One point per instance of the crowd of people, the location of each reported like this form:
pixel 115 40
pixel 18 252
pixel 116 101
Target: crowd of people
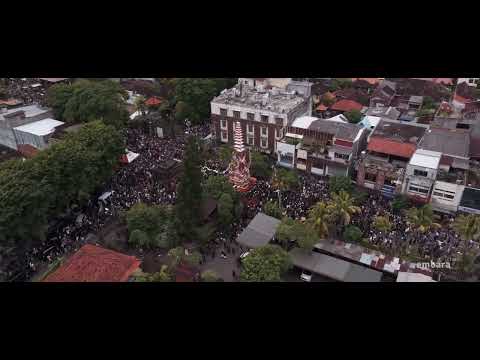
pixel 28 90
pixel 136 182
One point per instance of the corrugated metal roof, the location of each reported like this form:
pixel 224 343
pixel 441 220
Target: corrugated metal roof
pixel 259 232
pixel 41 127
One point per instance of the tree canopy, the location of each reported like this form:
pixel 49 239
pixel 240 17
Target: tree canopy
pixel 259 166
pixel 271 208
pixel 285 179
pixel 340 183
pixel 86 101
pixel 34 190
pixel 189 192
pixel 422 219
pixel 266 263
pixel 353 116
pixel 352 233
pixel 146 224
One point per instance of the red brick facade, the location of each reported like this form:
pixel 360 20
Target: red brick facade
pixel 216 125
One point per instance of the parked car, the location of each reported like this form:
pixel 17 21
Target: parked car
pixel 306 276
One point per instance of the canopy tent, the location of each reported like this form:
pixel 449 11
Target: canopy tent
pixel 129 157
pixel 259 232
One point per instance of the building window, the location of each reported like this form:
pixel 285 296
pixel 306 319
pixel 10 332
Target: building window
pixel 417 172
pixel 418 190
pixel 224 124
pixel 264 118
pixel 250 128
pixel 246 82
pixel 342 156
pixel 236 114
pixel 251 116
pixel 370 177
pixel 279 121
pixel 263 143
pixel 224 136
pixel 223 112
pixel 264 131
pixel 250 140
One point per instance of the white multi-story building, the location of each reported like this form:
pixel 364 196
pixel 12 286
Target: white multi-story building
pixel 469 81
pixel 263 113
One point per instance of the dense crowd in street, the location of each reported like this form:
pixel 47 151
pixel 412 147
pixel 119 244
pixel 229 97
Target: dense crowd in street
pixel 135 182
pixel 28 90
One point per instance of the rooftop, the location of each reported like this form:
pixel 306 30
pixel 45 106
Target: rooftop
pixel 259 232
pixel 95 264
pixel 401 132
pixel 391 147
pixel 387 112
pixel 41 127
pixel 276 100
pixel 30 111
pixel 346 105
pixel 333 268
pixel 425 158
pixel 416 99
pixel 454 142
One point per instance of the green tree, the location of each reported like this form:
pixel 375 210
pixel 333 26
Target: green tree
pixel 34 190
pixel 225 210
pixel 352 234
pixel 360 197
pixel 422 219
pixel 140 104
pixel 189 192
pixel 152 220
pixel 400 202
pixel 225 154
pixel 382 224
pixel 164 275
pixel 217 185
pixel 180 255
pixel 285 231
pixel 353 116
pixel 139 238
pixel 428 103
pixel 327 100
pixel 271 208
pixel 342 207
pixel 86 101
pixel 468 227
pixel 285 179
pixel 340 183
pixel 259 166
pixel 205 233
pixel 320 217
pixel 266 263
pixel 209 276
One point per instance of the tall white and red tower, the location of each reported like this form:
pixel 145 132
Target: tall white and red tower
pixel 239 168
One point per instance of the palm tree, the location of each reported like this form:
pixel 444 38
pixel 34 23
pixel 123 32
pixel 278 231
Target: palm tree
pixel 468 227
pixel 319 217
pixel 382 223
pixel 422 219
pixel 342 207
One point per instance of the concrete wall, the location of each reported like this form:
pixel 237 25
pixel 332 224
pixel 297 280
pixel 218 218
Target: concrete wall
pixel 443 187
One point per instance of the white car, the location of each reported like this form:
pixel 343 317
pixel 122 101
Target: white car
pixel 306 276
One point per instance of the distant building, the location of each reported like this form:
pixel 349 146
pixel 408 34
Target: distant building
pixel 383 94
pixel 263 113
pixel 95 264
pixel 390 147
pixel 13 118
pixel 321 146
pixel 469 81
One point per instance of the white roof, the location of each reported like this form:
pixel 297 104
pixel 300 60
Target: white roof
pixel 131 156
pixel 41 127
pixel 338 118
pixel 413 277
pixel 304 122
pixel 30 111
pixel 370 121
pixel 35 85
pixel 134 115
pixel 426 158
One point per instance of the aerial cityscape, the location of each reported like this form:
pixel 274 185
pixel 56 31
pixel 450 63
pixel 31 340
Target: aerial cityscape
pixel 239 180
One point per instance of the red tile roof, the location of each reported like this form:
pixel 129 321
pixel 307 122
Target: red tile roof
pixel 391 147
pixel 460 99
pixel 372 81
pixel 153 101
pixel 95 264
pixel 346 105
pixel 27 150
